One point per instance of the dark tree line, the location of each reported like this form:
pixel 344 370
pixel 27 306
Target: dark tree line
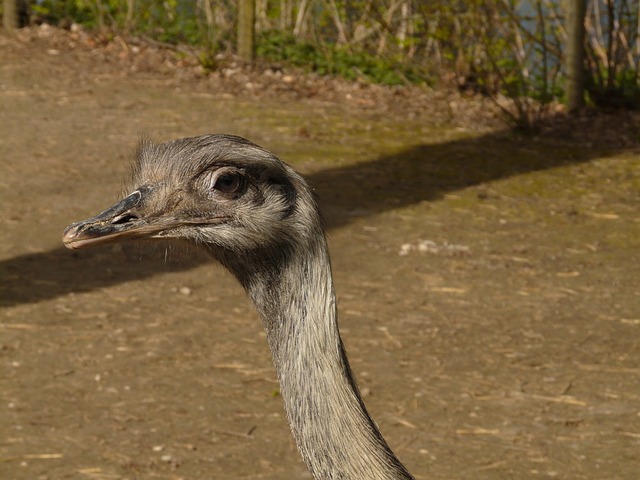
pixel 532 51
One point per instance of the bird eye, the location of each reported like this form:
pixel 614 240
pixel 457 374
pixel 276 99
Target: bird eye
pixel 228 183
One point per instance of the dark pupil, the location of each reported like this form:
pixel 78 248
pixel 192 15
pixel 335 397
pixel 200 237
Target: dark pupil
pixel 227 183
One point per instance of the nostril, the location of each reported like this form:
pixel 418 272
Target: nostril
pixel 124 218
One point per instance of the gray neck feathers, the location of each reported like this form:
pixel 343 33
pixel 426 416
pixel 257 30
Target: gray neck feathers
pixel 330 424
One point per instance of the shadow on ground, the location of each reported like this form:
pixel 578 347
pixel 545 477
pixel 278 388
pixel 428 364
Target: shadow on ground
pixel 421 173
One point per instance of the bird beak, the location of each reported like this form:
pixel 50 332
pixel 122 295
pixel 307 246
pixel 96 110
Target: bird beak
pixel 115 223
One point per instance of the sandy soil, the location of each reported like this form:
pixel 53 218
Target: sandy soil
pixel 487 283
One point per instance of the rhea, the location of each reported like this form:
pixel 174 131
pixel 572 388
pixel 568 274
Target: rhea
pixel 259 218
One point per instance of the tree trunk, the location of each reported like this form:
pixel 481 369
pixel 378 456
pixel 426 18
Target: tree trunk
pixel 10 18
pixel 575 13
pixel 246 28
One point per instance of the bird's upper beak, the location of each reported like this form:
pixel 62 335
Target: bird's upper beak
pixel 115 223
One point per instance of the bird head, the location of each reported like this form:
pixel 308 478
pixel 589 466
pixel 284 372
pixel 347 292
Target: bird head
pixel 219 190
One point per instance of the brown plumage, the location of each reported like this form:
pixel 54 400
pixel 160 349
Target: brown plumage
pixel 257 216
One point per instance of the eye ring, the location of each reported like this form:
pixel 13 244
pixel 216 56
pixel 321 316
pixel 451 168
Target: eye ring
pixel 228 183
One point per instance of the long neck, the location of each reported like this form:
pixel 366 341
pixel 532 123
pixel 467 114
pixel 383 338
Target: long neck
pixel 330 424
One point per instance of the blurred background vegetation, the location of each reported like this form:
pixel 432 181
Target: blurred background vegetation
pixel 514 49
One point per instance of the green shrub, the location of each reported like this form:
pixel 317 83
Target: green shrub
pixel 338 60
pixel 59 11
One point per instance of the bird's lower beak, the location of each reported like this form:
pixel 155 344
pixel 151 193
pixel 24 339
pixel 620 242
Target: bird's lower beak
pixel 114 223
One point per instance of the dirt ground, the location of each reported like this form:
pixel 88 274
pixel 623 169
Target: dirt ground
pixel 487 283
